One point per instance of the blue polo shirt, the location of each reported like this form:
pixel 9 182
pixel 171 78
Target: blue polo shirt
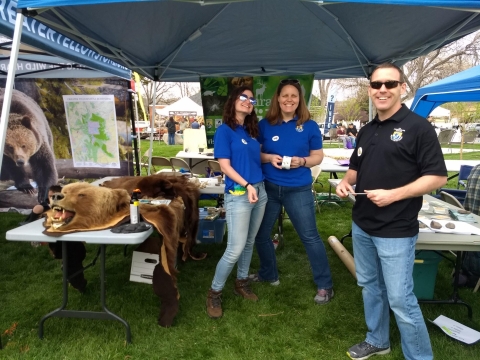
pixel 243 152
pixel 287 139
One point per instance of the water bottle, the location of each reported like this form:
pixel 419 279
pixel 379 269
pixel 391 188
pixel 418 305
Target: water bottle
pixel 275 241
pixel 134 211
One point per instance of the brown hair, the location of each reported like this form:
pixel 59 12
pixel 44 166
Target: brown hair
pixel 274 113
pixel 229 118
pixel 388 65
pixel 55 188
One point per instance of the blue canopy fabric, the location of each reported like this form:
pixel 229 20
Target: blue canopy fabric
pixel 42 37
pixel 183 40
pixel 461 87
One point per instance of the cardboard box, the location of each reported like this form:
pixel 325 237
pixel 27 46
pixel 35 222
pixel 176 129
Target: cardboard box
pixel 425 274
pixel 142 267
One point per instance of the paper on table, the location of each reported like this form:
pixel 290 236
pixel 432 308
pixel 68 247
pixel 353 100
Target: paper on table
pixel 460 227
pixel 456 330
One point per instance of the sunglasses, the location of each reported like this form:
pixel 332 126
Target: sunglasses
pixel 244 97
pixel 390 84
pixel 289 81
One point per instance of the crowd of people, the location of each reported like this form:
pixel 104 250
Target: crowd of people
pixel 267 167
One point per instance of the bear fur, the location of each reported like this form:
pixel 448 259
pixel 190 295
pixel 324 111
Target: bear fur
pixel 28 141
pixel 168 187
pixel 82 206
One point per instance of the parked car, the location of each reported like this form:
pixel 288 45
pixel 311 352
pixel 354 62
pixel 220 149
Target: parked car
pixel 474 126
pixel 326 136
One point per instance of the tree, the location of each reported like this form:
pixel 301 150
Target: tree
pixel 350 109
pixel 440 63
pixel 323 87
pixel 162 91
pixel 187 89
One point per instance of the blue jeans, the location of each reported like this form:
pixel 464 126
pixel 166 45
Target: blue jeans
pixel 299 205
pixel 171 139
pixel 384 268
pixel 243 221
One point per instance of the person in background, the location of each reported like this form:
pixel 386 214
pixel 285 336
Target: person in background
pixel 342 134
pixel 171 129
pixel 39 209
pixel 202 125
pixel 352 134
pixel 397 160
pixel 195 124
pixel 238 153
pixel 291 144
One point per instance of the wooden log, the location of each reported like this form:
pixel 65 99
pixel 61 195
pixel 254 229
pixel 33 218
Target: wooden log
pixel 17 199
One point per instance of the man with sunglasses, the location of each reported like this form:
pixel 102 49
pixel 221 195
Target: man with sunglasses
pixel 397 159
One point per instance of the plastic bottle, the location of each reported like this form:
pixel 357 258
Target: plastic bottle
pixel 134 211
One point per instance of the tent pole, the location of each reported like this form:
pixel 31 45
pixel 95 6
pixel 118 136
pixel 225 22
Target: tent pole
pixel 7 98
pixel 152 123
pixel 134 131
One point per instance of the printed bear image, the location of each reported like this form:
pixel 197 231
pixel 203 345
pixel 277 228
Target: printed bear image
pixel 28 149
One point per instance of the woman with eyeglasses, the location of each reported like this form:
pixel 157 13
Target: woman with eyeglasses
pixel 238 153
pixel 291 145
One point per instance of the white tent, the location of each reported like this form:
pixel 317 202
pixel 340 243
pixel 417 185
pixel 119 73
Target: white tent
pixel 184 106
pixel 437 112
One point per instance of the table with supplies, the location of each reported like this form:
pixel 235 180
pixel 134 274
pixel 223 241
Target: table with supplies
pixel 465 237
pixel 33 232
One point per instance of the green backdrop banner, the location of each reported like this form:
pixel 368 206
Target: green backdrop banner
pixel 215 92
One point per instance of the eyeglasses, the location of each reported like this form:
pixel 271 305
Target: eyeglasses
pixel 244 97
pixel 390 84
pixel 289 81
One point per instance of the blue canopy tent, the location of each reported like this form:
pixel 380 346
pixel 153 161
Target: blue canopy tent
pixel 183 40
pixel 461 87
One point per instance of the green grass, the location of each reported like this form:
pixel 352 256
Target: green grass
pixel 284 324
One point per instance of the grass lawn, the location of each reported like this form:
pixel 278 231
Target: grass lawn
pixel 284 324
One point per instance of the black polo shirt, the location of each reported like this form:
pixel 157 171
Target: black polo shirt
pixel 390 154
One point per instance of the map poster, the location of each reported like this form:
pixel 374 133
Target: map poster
pixel 215 91
pixel 92 126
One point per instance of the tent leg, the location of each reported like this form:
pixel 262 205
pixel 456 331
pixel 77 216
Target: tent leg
pixel 12 66
pixel 134 134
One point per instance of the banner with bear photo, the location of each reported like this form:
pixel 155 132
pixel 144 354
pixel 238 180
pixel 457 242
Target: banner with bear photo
pixel 42 148
pixel 215 91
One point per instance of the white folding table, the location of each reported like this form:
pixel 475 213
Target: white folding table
pixel 33 232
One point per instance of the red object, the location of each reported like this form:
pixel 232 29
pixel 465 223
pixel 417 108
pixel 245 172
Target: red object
pixel 132 85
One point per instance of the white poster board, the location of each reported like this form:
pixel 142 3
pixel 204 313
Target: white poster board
pixel 194 139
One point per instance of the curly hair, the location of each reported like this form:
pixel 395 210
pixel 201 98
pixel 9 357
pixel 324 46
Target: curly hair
pixel 229 118
pixel 274 113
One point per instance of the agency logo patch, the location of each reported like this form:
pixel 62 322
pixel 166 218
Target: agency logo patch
pixel 359 151
pixel 397 134
pixel 299 128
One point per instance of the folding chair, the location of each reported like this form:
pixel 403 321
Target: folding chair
pixel 450 199
pixel 179 163
pixel 163 162
pixel 215 168
pixel 144 161
pixel 316 171
pixel 445 137
pixel 463 174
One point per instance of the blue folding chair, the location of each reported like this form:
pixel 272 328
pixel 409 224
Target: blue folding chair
pixel 463 174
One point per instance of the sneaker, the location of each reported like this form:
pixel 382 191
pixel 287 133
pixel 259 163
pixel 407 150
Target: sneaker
pixel 324 296
pixel 364 350
pixel 256 278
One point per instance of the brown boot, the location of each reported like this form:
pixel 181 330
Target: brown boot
pixel 242 288
pixel 214 304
